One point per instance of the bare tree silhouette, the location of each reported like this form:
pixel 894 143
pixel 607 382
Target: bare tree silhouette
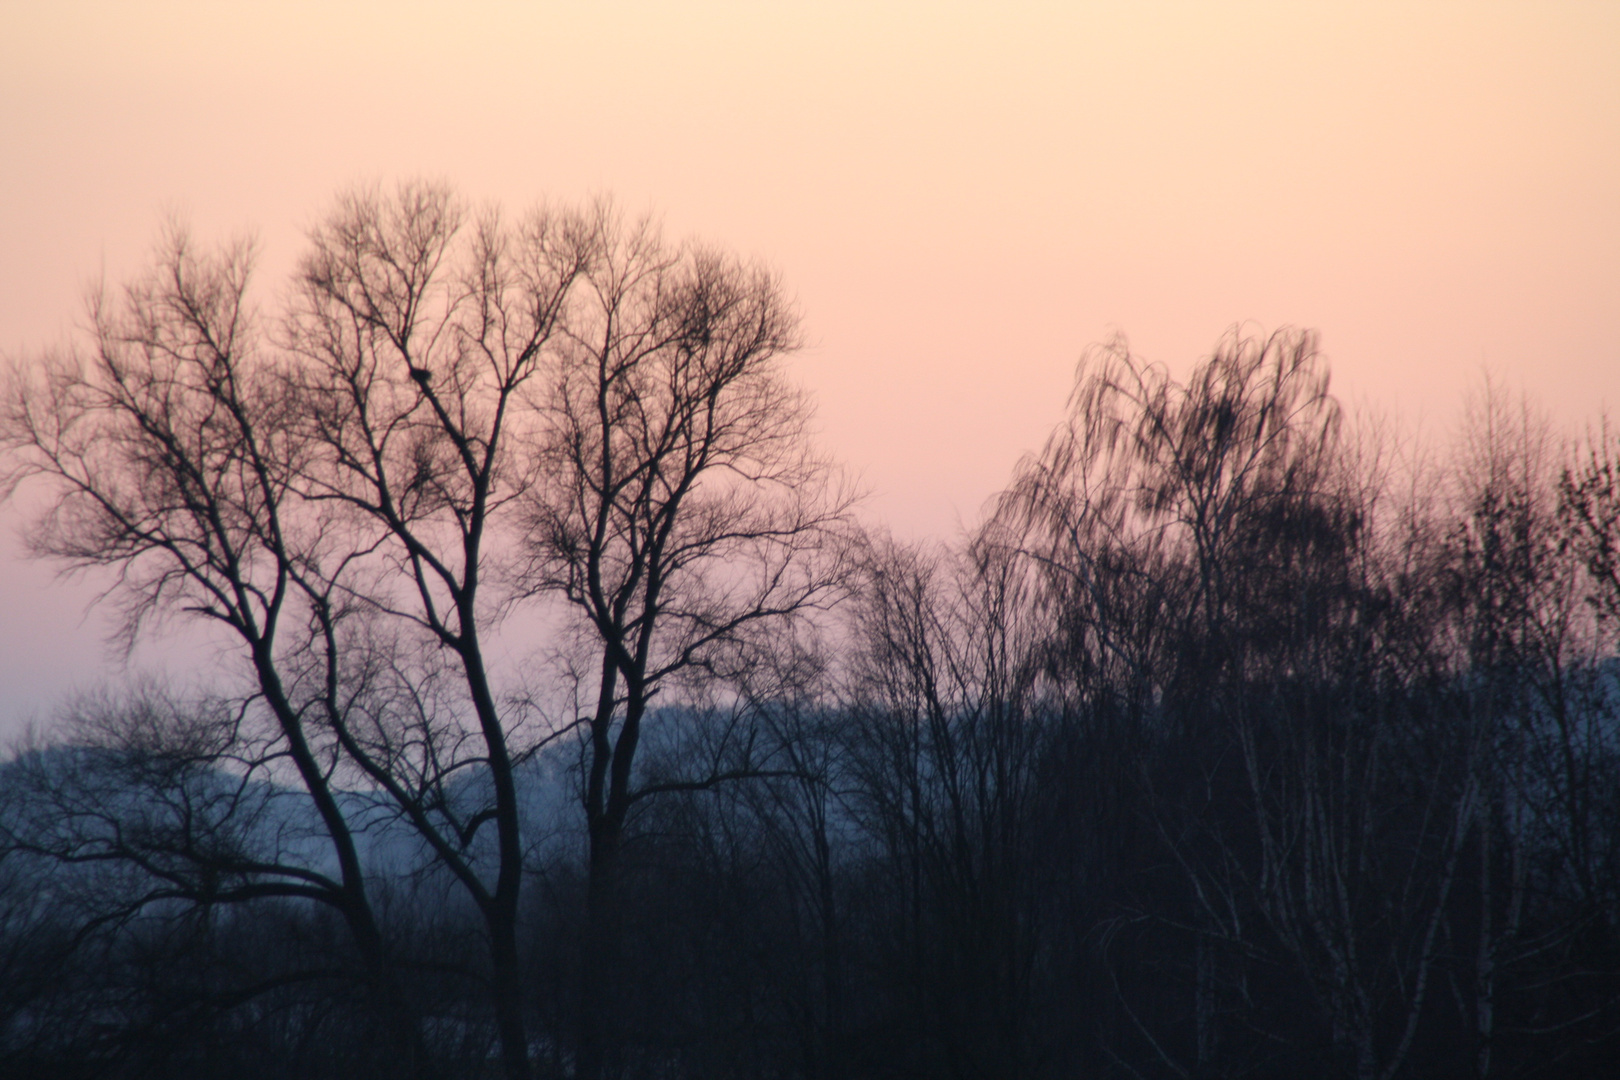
pixel 679 509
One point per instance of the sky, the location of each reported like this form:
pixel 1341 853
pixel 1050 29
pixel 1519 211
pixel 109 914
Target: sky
pixel 962 197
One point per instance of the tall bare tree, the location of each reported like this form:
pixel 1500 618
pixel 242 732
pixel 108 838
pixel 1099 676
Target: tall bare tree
pixel 455 413
pixel 420 340
pixel 166 450
pixel 680 511
pixel 1280 790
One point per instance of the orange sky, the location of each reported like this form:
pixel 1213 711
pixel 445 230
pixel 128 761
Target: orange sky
pixel 962 200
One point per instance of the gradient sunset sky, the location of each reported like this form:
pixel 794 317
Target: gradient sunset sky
pixel 962 197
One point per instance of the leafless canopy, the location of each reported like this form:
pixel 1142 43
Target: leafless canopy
pixel 455 412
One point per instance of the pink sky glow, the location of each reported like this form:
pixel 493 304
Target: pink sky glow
pixel 961 197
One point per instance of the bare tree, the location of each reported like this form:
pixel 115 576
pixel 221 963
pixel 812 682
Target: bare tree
pixel 420 341
pixel 166 451
pixel 679 510
pixel 1214 543
pixel 1589 506
pixel 1531 575
pixel 456 413
pixel 948 723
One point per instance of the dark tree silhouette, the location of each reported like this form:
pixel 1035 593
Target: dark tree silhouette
pixel 1236 741
pixel 166 446
pixel 679 510
pixel 451 417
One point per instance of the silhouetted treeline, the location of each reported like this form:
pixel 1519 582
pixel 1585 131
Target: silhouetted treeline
pixel 1240 740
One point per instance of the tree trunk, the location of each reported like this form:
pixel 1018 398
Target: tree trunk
pixel 508 999
pixel 1485 960
pixel 600 963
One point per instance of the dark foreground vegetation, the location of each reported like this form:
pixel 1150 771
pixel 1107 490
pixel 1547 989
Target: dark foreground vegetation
pixel 1242 739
